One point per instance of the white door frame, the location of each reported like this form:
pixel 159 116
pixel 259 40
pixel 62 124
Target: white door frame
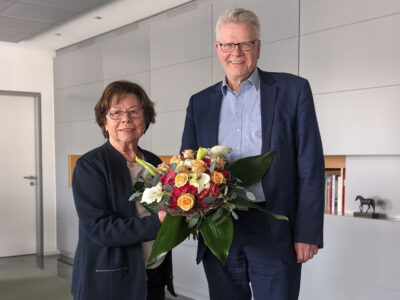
pixel 38 169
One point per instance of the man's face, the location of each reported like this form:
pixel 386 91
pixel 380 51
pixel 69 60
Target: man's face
pixel 238 64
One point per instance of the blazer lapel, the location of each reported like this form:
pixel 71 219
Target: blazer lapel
pixel 212 112
pixel 268 95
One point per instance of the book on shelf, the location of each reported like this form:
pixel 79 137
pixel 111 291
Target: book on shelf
pixel 329 195
pixel 334 191
pixel 340 196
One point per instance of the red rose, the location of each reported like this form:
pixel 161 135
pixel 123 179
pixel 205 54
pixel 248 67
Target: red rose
pixel 169 178
pixel 175 194
pixel 214 189
pixel 225 173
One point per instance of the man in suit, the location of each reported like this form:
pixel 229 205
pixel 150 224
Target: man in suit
pixel 253 112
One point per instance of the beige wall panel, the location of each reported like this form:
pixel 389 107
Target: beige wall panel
pixel 172 87
pixel 181 38
pixel 361 122
pixel 323 14
pixel 353 57
pixel 280 56
pixel 83 65
pixel 126 53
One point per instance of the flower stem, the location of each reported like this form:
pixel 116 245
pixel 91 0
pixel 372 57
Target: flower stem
pixel 147 166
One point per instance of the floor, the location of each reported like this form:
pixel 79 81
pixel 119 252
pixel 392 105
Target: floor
pixel 51 264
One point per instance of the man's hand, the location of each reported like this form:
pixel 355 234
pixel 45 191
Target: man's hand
pixel 161 216
pixel 304 251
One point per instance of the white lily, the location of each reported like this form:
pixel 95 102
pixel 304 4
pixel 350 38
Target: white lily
pixel 200 182
pixel 221 150
pixel 153 194
pixel 188 163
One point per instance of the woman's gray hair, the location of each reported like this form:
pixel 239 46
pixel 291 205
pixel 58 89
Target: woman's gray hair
pixel 237 15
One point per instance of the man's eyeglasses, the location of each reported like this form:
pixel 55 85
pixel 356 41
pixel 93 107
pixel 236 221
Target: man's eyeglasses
pixel 131 113
pixel 244 46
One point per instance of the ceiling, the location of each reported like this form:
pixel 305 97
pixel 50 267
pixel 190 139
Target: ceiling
pixel 55 24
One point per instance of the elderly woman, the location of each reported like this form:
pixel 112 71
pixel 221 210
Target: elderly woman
pixel 115 236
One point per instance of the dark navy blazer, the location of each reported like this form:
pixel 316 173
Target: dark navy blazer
pixel 108 259
pixel 294 185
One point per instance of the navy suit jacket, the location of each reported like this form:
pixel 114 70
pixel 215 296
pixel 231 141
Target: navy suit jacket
pixel 294 184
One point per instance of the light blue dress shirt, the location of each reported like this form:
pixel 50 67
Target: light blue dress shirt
pixel 240 123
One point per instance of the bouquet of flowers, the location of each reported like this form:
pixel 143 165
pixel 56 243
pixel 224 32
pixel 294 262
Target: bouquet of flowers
pixel 200 192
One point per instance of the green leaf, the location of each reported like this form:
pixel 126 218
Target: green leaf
pixel 226 190
pixel 251 169
pixel 240 203
pixel 212 166
pixel 222 219
pixel 234 215
pixel 167 188
pixel 151 208
pixel 156 179
pixel 278 217
pixel 217 214
pixel 165 199
pixel 209 199
pixel 174 230
pixel 250 196
pixel 193 222
pixel 139 175
pixel 218 238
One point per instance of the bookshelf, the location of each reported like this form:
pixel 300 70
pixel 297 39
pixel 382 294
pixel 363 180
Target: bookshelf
pixel 335 187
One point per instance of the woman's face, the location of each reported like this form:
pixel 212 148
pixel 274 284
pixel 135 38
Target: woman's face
pixel 125 122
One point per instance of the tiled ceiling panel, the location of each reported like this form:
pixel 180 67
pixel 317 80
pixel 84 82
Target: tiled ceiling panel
pixel 5 3
pixel 18 25
pixel 12 37
pixel 36 13
pixel 71 5
pixel 31 17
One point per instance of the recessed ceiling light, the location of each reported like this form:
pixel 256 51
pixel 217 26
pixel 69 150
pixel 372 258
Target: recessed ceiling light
pixel 98 17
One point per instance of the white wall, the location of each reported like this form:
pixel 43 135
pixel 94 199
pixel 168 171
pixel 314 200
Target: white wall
pixel 31 70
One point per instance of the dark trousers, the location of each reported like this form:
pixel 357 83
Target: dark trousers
pixel 156 281
pixel 253 257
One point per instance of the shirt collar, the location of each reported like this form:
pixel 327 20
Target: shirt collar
pixel 253 80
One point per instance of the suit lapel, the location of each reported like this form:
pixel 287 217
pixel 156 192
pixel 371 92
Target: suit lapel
pixel 268 95
pixel 212 112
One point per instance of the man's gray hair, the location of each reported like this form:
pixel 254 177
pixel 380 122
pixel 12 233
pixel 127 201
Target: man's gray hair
pixel 237 15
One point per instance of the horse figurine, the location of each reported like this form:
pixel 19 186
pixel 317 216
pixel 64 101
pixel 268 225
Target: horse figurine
pixel 366 201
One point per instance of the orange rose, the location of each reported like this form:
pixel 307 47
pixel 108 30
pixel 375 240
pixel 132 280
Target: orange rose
pixel 186 201
pixel 181 179
pixel 175 159
pixel 219 162
pixel 188 153
pixel 184 169
pixel 217 177
pixel 163 167
pixel 198 166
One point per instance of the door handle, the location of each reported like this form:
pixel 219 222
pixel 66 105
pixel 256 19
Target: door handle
pixel 30 177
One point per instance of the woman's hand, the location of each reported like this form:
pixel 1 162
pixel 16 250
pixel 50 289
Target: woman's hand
pixel 161 216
